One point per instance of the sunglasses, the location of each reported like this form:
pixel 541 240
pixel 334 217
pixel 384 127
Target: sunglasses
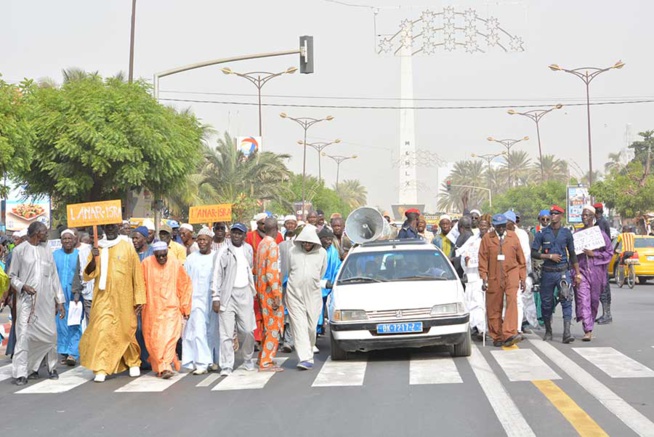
pixel 544 219
pixel 219 228
pixel 555 213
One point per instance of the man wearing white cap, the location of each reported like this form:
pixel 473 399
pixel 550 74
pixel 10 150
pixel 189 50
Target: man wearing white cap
pixel 290 223
pixel 149 224
pixel 186 234
pixel 475 215
pixel 440 240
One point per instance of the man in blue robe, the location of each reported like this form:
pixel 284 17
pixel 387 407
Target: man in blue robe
pixel 68 269
pixel 333 266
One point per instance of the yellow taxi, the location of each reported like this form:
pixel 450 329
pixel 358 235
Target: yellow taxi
pixel 645 268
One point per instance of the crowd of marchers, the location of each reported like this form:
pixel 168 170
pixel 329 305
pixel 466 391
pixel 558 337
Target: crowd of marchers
pixel 193 298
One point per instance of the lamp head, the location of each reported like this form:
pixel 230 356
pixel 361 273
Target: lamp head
pixel 300 142
pixel 474 155
pixel 290 70
pixel 618 65
pixel 337 141
pixel 525 139
pixel 511 112
pixel 490 139
pixel 559 106
pixel 555 67
pixel 283 115
pixel 354 156
pixel 227 70
pixel 329 118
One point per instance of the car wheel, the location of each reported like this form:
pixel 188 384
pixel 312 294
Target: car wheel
pixel 464 348
pixel 642 280
pixel 338 354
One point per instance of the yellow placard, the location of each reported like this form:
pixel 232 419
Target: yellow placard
pixel 210 213
pixel 94 213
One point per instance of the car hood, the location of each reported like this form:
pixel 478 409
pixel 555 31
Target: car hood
pixel 395 295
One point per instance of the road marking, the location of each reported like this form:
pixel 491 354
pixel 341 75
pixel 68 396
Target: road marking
pixel 433 370
pixel 614 363
pixel 507 412
pixel 577 417
pixel 341 373
pixel 523 365
pixel 66 382
pixel 149 383
pixel 242 379
pixel 206 382
pixel 615 404
pixel 5 372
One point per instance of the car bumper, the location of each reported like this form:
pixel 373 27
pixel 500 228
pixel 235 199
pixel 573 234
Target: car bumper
pixel 436 332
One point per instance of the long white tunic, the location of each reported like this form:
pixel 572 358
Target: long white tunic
pixel 200 339
pixel 36 329
pixel 474 295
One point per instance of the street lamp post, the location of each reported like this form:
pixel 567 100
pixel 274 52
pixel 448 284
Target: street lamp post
pixel 339 159
pixel 488 157
pixel 508 143
pixel 536 115
pixel 587 74
pixel 319 146
pixel 305 123
pixel 259 79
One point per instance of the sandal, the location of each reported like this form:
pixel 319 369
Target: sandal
pixel 71 361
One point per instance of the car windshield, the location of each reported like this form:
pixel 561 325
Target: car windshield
pixel 644 242
pixel 393 266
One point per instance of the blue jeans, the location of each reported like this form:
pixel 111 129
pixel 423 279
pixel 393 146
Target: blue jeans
pixel 548 282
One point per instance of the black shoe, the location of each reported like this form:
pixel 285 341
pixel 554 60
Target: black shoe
pixel 53 374
pixel 567 336
pixel 548 330
pixel 514 339
pixel 20 381
pixel 498 343
pixel 33 375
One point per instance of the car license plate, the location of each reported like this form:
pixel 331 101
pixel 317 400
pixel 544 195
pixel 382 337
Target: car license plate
pixel 650 258
pixel 399 328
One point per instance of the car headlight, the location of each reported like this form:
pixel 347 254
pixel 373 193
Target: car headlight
pixel 447 309
pixel 349 315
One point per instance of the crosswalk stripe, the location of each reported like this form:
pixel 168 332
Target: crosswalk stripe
pixel 66 382
pixel 523 365
pixel 150 383
pixel 5 372
pixel 206 382
pixel 242 379
pixel 434 370
pixel 507 412
pixel 340 373
pixel 614 363
pixel 614 403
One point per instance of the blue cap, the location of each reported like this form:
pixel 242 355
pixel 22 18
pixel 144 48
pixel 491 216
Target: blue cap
pixel 240 226
pixel 510 216
pixel 499 219
pixel 173 224
pixel 544 213
pixel 142 230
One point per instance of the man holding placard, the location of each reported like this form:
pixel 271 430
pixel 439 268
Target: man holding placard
pixel 593 264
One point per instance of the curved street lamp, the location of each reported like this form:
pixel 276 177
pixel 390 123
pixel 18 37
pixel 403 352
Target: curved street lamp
pixel 536 115
pixel 587 74
pixel 339 159
pixel 319 146
pixel 305 123
pixel 259 79
pixel 508 143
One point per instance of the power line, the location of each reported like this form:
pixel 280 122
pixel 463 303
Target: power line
pixel 299 105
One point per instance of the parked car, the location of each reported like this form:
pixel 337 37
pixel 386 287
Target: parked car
pixel 645 249
pixel 397 293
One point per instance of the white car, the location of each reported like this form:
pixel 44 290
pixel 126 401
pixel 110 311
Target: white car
pixel 397 293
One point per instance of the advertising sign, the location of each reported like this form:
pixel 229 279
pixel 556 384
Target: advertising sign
pixel 23 211
pixel 299 214
pixel 94 213
pixel 576 199
pixel 210 213
pixel 249 145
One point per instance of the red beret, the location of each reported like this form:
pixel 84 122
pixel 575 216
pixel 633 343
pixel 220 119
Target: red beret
pixel 598 205
pixel 411 211
pixel 557 208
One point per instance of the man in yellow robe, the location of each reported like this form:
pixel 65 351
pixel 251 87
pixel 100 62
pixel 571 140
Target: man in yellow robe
pixel 109 343
pixel 168 291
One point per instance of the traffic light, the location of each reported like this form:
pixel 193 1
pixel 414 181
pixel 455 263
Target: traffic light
pixel 449 185
pixel 306 54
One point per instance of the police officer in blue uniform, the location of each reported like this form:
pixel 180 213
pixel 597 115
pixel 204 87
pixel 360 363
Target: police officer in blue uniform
pixel 555 245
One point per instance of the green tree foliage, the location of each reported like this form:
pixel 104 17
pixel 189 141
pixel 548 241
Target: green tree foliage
pixel 352 193
pixel 628 191
pixel 530 199
pixel 97 138
pixel 459 198
pixel 320 197
pixel 16 133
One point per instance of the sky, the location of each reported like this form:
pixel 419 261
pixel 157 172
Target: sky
pixel 40 38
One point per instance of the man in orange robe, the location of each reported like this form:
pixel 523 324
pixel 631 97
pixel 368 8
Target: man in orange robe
pixel 168 290
pixel 269 291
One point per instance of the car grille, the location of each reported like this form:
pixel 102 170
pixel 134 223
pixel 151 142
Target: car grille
pixel 411 313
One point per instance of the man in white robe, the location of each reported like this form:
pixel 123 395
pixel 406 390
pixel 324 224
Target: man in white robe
pixel 34 276
pixel 200 339
pixel 474 295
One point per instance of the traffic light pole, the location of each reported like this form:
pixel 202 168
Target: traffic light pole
pixel 490 196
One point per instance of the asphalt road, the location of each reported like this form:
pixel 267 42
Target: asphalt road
pixel 547 389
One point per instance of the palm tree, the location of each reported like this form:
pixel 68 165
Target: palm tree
pixel 516 166
pixel 553 170
pixel 460 197
pixel 613 163
pixel 352 193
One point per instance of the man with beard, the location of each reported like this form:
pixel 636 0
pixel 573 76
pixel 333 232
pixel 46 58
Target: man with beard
pixel 475 299
pixel 440 240
pixel 290 224
pixel 109 343
pixel 475 216
pixel 34 277
pixel 186 234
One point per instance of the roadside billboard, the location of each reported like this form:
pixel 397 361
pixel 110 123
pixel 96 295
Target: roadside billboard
pixel 23 210
pixel 249 145
pixel 576 198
